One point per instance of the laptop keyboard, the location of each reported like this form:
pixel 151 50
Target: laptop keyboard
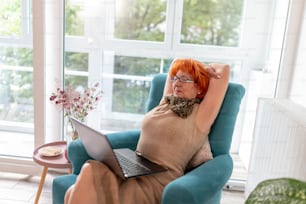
pixel 129 166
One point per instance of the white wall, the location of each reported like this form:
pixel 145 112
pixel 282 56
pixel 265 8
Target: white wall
pixel 291 79
pixel 279 140
pixel 298 93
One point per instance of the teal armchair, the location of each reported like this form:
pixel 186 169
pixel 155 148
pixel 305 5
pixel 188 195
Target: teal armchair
pixel 202 185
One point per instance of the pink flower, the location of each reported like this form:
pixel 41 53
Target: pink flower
pixel 74 103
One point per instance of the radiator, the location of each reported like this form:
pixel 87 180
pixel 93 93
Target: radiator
pixel 279 142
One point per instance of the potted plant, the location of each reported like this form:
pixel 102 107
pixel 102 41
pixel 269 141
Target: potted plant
pixel 280 190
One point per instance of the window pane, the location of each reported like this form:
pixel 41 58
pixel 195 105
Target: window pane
pixel 74 21
pixel 212 22
pixel 10 18
pixel 16 85
pixel 130 96
pixel 76 66
pixel 136 66
pixel 166 65
pixel 140 19
pixel 76 61
pixel 77 82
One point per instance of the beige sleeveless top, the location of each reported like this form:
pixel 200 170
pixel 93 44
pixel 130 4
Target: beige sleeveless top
pixel 170 140
pixel 166 139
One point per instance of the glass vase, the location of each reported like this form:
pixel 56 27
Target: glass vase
pixel 70 134
pixel 70 131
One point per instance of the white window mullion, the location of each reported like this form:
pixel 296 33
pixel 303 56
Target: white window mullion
pixel 95 70
pixel 177 23
pixel 51 51
pixel 170 23
pixel 107 82
pixel 26 25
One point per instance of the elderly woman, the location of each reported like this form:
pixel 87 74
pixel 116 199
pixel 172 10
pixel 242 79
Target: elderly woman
pixel 174 135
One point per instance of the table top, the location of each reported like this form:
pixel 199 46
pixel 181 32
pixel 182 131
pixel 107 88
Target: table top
pixel 59 161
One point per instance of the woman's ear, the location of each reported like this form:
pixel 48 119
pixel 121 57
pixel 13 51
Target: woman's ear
pixel 199 92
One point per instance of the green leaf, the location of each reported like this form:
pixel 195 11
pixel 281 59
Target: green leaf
pixel 280 190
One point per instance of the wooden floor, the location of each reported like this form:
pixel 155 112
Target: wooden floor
pixel 21 189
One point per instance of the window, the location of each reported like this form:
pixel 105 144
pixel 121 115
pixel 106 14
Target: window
pixel 122 44
pixel 133 91
pixel 10 19
pixel 207 22
pixel 16 78
pixel 16 87
pixel 140 20
pixel 76 69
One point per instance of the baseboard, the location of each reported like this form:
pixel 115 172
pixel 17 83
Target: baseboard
pixel 235 185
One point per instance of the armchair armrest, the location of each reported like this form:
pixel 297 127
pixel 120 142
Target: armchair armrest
pixel 201 184
pixel 78 156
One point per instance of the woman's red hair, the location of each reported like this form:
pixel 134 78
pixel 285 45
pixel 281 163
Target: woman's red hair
pixel 196 69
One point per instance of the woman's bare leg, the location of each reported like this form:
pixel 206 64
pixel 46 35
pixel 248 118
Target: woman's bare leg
pixel 83 191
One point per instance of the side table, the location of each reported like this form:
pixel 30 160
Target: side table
pixel 59 161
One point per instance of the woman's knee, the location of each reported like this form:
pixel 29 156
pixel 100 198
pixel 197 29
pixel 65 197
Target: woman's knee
pixel 86 166
pixel 67 194
pixel 86 174
pixel 83 190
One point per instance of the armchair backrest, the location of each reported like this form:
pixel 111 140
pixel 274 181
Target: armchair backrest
pixel 220 136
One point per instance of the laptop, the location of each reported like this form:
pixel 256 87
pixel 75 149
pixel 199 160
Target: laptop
pixel 124 162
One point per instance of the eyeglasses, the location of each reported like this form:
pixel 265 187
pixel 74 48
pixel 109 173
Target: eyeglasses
pixel 182 79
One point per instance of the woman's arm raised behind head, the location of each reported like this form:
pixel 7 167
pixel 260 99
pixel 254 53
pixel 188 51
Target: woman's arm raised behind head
pixel 213 99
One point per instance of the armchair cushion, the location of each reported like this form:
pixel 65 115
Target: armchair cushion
pixel 221 132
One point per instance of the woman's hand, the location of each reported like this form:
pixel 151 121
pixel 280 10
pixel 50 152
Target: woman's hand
pixel 212 71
